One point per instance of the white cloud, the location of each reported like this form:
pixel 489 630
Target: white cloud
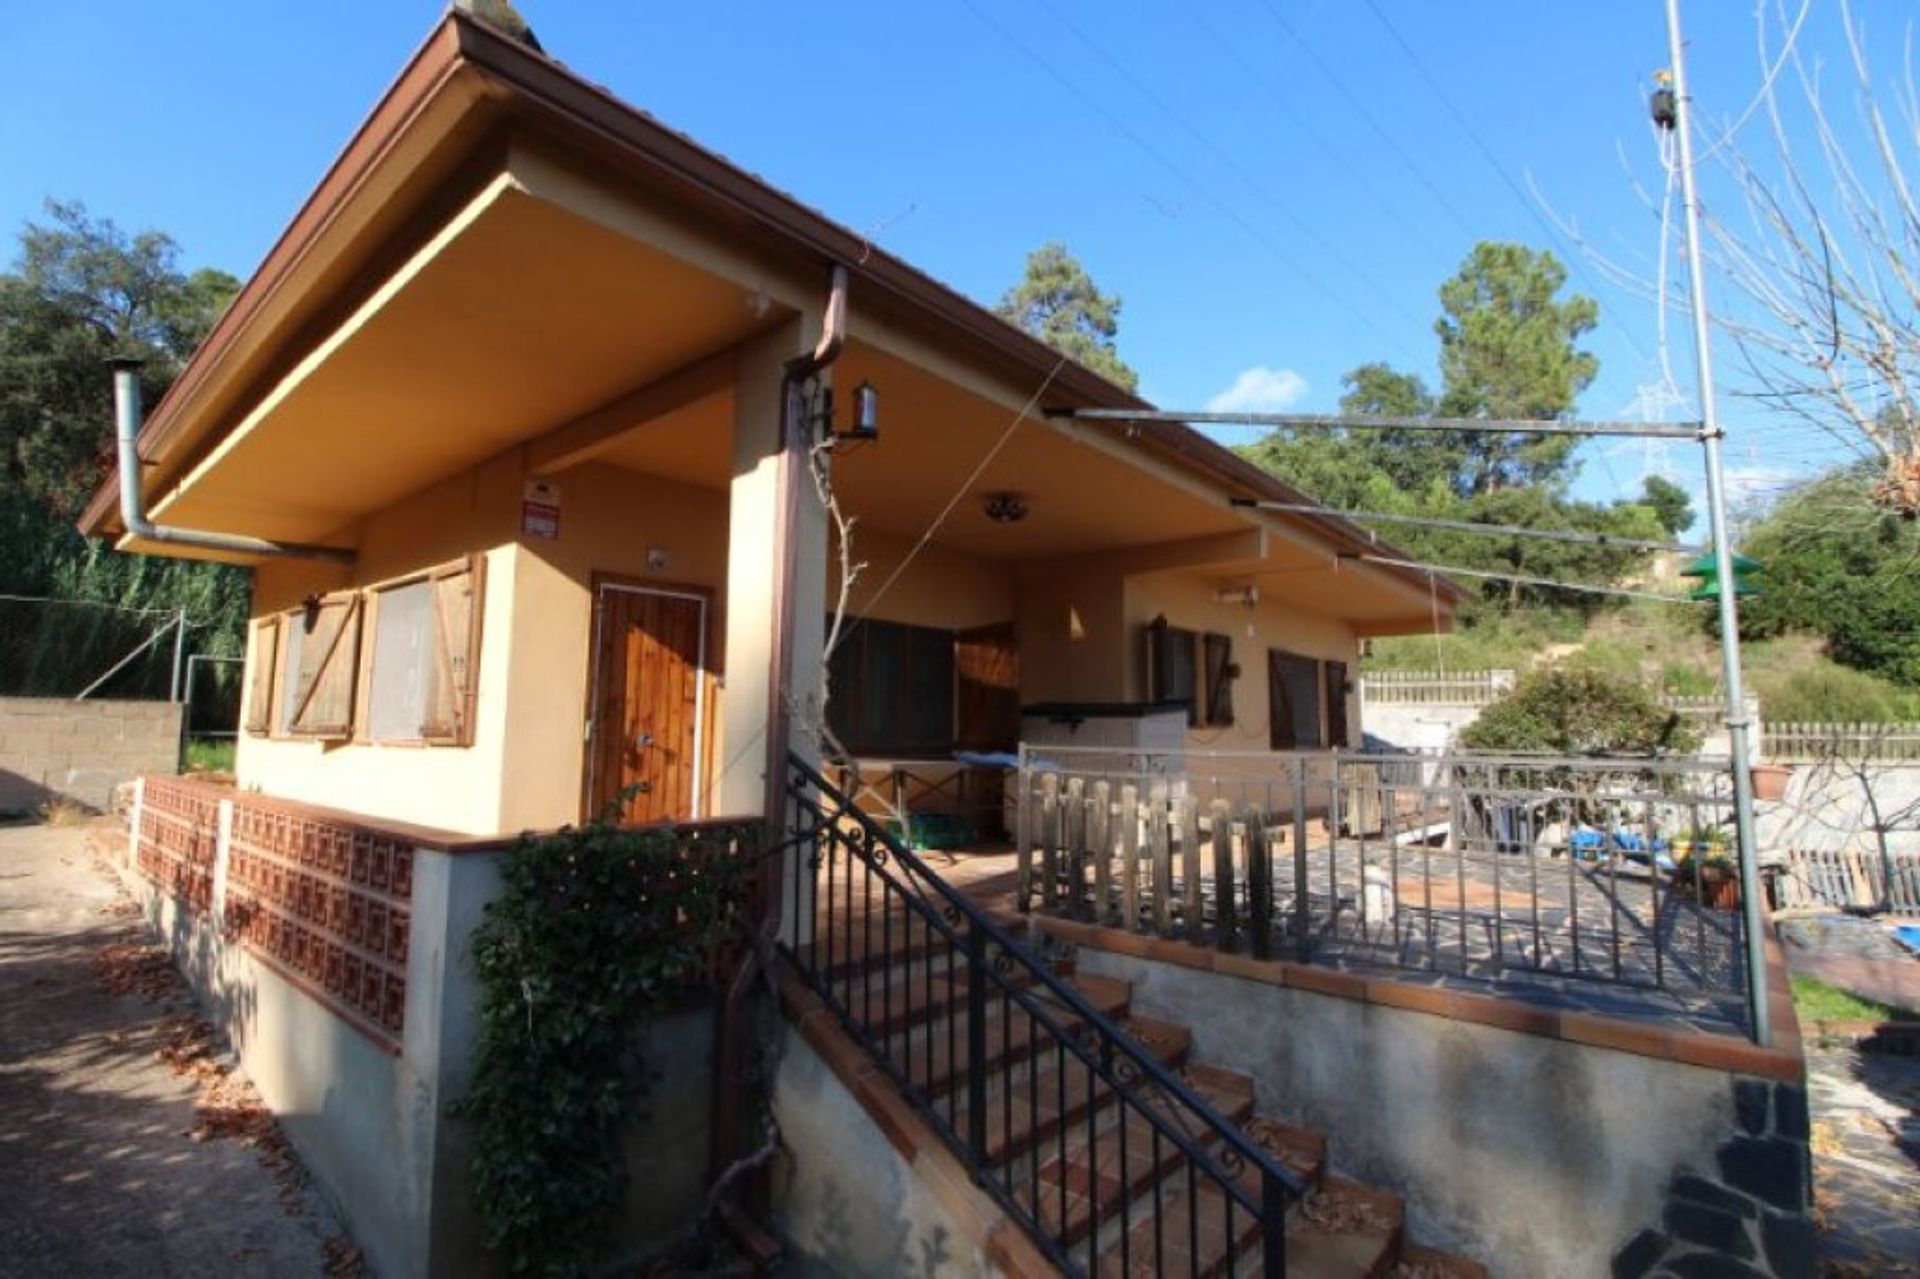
pixel 1260 390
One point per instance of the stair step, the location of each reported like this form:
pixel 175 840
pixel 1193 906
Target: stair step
pixel 1027 1103
pixel 936 1055
pixel 1180 1240
pixel 1107 1170
pixel 1430 1263
pixel 1344 1229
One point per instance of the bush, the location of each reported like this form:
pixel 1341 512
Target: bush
pixel 1579 711
pixel 1841 568
pixel 1824 693
pixel 595 929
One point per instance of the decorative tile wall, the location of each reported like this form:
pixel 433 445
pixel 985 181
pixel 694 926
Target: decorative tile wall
pixel 179 840
pixel 327 904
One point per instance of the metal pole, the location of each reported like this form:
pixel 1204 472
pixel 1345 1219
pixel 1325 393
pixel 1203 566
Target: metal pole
pixel 179 652
pixel 1712 434
pixel 1370 422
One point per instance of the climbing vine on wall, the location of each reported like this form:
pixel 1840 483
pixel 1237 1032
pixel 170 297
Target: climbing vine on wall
pixel 595 929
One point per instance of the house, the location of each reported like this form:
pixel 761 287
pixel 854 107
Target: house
pixel 525 425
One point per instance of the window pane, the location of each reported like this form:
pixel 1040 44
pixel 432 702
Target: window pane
pixel 1294 695
pixel 402 663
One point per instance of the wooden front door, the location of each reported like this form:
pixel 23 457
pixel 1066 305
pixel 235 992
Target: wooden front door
pixel 649 706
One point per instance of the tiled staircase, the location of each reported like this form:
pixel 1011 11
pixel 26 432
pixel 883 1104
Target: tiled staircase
pixel 1095 1134
pixel 1055 1141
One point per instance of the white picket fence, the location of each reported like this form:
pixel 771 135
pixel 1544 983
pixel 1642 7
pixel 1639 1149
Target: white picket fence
pixel 1434 688
pixel 1810 743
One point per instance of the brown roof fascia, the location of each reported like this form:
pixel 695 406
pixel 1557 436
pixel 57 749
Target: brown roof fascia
pixel 547 92
pixel 430 67
pixel 904 291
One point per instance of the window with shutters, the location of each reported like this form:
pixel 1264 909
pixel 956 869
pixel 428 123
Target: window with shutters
pixel 1172 667
pixel 319 662
pixel 262 661
pixel 1293 701
pixel 419 681
pixel 1217 654
pixel 1338 735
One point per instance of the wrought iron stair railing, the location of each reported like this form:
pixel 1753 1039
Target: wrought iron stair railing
pixel 1084 1135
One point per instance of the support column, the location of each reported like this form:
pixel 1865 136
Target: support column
pixel 754 603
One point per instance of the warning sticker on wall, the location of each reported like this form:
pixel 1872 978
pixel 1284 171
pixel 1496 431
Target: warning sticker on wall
pixel 540 510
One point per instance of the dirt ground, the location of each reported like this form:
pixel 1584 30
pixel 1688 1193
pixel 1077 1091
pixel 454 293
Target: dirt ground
pixel 128 1144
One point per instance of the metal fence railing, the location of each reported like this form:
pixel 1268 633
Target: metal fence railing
pixel 1493 867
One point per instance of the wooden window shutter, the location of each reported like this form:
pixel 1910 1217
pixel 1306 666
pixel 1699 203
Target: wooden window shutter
pixel 456 650
pixel 1336 701
pixel 1279 709
pixel 1218 653
pixel 263 659
pixel 329 674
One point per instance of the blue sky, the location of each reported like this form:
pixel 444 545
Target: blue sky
pixel 1274 188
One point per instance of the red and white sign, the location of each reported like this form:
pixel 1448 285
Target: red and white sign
pixel 540 510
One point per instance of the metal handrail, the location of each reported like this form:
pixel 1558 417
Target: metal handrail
pixel 1099 1045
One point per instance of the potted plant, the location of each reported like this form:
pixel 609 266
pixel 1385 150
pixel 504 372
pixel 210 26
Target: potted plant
pixel 1770 781
pixel 1719 881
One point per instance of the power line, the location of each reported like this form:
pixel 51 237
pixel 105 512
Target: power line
pixel 1480 425
pixel 1223 207
pixel 1467 526
pixel 1486 152
pixel 1523 580
pixel 1305 127
pixel 1360 108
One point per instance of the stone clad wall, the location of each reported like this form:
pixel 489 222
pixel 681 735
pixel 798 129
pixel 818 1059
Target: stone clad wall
pixel 54 747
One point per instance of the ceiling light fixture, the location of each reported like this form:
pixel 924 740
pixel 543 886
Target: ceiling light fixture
pixel 1004 508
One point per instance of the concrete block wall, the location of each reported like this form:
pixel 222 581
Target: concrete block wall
pixel 55 747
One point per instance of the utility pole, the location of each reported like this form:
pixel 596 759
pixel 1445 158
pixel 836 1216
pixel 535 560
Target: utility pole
pixel 1712 435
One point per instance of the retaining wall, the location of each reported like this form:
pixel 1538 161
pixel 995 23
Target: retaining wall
pixel 56 747
pixel 1540 1154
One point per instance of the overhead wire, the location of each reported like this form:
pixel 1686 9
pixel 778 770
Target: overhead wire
pixel 1304 126
pixel 1522 579
pixel 1360 108
pixel 1487 153
pixel 959 493
pixel 1224 207
pixel 1570 536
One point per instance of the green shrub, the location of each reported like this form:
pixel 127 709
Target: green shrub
pixel 594 931
pixel 1578 710
pixel 1823 692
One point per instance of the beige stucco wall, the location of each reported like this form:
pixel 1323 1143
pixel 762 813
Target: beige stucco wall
pixel 609 519
pixel 455 788
pixel 939 588
pixel 524 767
pixel 1187 599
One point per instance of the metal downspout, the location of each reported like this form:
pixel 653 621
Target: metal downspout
pixel 729 1064
pixel 133 498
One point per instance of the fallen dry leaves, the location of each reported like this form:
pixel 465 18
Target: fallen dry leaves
pixel 1340 1214
pixel 226 1105
pixel 147 971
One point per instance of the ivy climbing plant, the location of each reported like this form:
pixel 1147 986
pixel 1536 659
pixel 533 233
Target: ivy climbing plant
pixel 594 931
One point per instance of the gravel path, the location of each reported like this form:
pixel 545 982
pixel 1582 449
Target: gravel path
pixel 128 1145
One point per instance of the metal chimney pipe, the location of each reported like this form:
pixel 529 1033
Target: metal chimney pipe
pixel 133 498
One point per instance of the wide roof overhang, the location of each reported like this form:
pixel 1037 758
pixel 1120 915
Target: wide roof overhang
pixel 463 239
